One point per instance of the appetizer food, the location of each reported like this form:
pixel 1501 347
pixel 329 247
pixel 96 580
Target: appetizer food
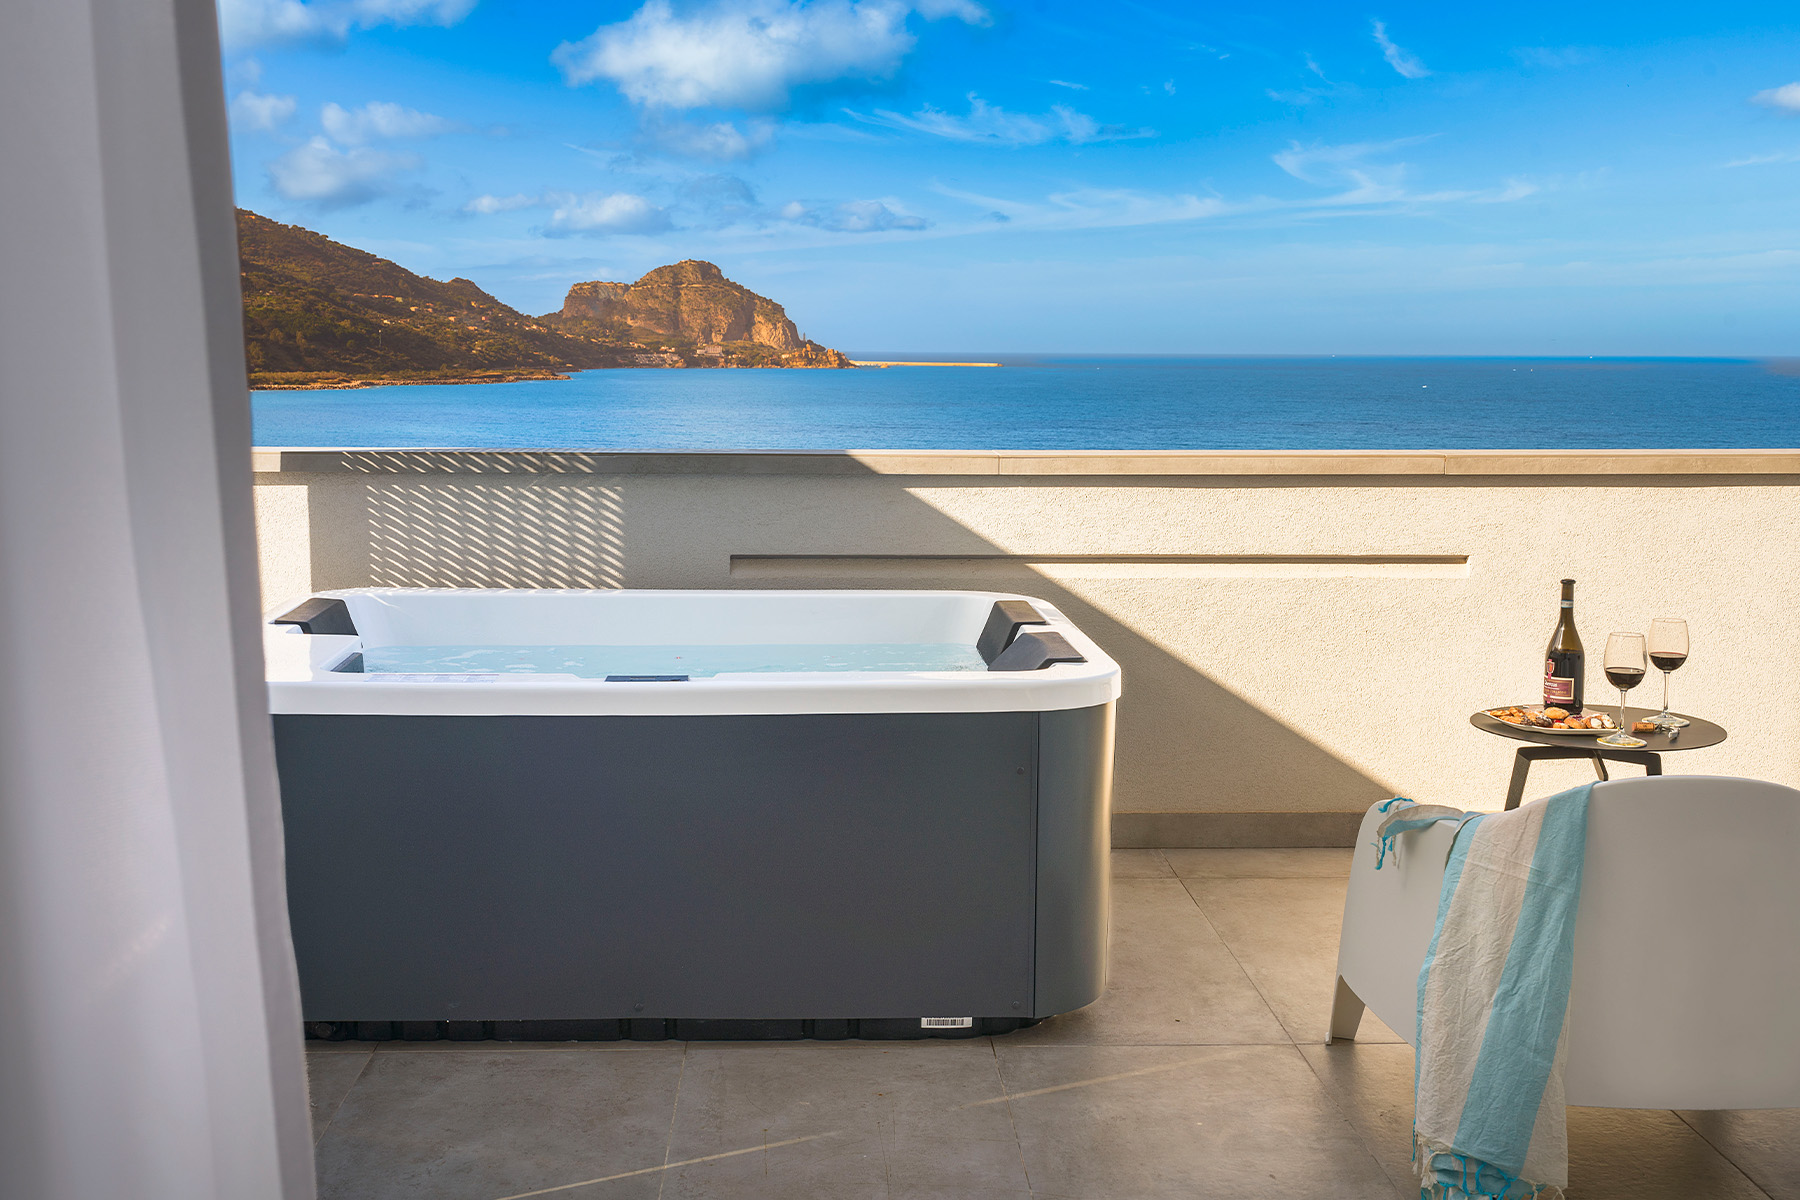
pixel 1532 716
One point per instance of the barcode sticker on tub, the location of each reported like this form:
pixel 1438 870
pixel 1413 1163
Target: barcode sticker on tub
pixel 946 1022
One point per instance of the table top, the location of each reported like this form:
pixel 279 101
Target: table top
pixel 1697 736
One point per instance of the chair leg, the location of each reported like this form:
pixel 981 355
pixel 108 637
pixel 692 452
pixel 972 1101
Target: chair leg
pixel 1346 1013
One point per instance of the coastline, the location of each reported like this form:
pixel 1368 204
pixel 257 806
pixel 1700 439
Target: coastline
pixel 333 381
pixel 870 362
pixel 313 381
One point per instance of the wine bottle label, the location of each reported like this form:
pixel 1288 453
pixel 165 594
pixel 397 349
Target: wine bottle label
pixel 1557 688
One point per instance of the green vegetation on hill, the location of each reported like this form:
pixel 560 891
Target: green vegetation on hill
pixel 321 314
pixel 313 306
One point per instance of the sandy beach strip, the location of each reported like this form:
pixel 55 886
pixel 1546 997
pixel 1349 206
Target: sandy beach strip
pixel 861 363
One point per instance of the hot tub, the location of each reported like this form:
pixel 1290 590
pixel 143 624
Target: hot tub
pixel 687 813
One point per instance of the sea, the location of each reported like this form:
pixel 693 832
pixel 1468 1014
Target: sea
pixel 1061 402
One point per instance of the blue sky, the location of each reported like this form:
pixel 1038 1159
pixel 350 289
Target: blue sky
pixel 974 175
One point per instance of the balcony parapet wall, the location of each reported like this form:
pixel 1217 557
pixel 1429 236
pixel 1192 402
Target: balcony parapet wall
pixel 1301 633
pixel 1458 463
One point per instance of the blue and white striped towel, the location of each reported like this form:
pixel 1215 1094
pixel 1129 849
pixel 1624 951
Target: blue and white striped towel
pixel 1488 1108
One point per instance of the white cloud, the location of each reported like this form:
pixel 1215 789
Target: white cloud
pixel 1403 61
pixel 489 205
pixel 852 216
pixel 1320 163
pixel 992 125
pixel 720 141
pixel 260 22
pixel 1097 207
pixel 246 23
pixel 963 10
pixel 1090 208
pixel 1764 160
pixel 413 12
pixel 379 119
pixel 1362 182
pixel 1515 189
pixel 985 123
pixel 603 213
pixel 1310 93
pixel 249 110
pixel 723 201
pixel 1301 97
pixel 1078 128
pixel 322 174
pixel 1078 87
pixel 1112 208
pixel 748 53
pixel 1785 98
pixel 706 202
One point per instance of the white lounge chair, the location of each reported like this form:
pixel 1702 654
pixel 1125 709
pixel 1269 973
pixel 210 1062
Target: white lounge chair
pixel 1686 990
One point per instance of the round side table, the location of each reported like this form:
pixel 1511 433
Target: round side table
pixel 1697 735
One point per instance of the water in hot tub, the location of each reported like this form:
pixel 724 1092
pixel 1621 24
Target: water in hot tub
pixel 696 662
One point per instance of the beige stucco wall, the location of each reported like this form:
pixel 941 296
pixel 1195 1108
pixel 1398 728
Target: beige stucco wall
pixel 1292 640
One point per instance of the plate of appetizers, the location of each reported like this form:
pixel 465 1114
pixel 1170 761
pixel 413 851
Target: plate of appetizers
pixel 1539 718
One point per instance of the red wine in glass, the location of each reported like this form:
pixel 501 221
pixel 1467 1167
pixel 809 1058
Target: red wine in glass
pixel 1624 678
pixel 1668 650
pixel 1625 667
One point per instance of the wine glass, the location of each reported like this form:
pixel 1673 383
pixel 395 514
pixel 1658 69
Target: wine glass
pixel 1668 650
pixel 1624 670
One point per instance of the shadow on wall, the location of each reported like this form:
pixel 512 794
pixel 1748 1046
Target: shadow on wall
pixel 524 533
pixel 1186 744
pixel 455 519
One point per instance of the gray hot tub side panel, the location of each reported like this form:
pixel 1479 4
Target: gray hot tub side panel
pixel 707 867
pixel 1074 875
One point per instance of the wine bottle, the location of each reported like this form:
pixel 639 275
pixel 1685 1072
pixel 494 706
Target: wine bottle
pixel 1564 661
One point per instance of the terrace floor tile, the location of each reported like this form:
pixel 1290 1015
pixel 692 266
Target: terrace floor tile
pixel 1283 863
pixel 496 1123
pixel 1647 1154
pixel 1172 980
pixel 1284 932
pixel 1372 1084
pixel 1152 1122
pixel 1764 1143
pixel 1140 864
pixel 871 1119
pixel 329 1076
pixel 1614 1153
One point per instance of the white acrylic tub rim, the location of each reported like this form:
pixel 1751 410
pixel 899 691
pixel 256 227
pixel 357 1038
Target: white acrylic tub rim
pixel 301 679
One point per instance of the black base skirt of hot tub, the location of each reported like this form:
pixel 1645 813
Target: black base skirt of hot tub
pixel 639 1029
pixel 693 876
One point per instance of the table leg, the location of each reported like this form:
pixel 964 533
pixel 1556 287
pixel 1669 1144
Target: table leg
pixel 1516 790
pixel 1647 759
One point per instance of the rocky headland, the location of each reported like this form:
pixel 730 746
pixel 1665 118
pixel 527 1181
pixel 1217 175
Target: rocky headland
pixel 319 314
pixel 692 312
